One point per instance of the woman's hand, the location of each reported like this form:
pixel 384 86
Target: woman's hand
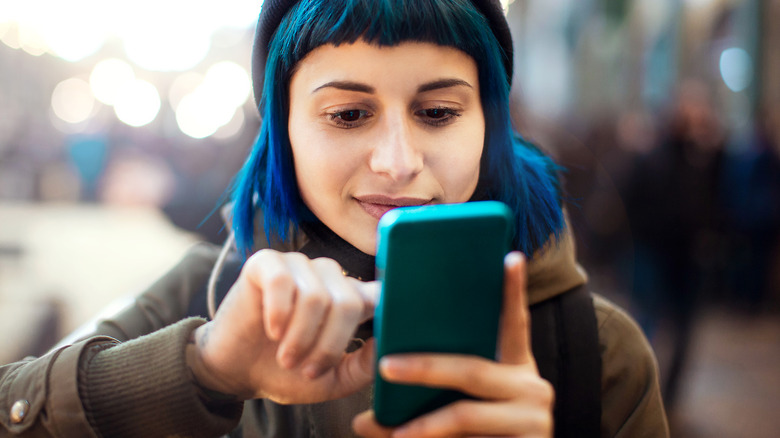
pixel 282 331
pixel 512 399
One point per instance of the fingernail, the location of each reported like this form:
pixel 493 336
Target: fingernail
pixel 513 258
pixel 390 367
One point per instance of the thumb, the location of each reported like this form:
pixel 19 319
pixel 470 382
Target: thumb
pixel 515 339
pixel 356 370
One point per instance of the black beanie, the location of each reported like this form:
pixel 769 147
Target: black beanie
pixel 273 11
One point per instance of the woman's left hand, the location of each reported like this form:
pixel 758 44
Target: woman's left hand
pixel 512 399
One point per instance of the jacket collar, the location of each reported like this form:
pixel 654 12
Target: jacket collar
pixel 553 269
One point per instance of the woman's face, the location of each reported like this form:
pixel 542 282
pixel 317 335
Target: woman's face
pixel 374 128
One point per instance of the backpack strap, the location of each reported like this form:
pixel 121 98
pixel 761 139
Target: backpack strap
pixel 565 343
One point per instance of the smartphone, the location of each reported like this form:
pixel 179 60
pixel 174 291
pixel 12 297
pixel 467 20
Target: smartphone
pixel 442 274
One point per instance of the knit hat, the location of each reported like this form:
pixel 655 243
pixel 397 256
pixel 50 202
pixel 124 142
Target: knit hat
pixel 273 11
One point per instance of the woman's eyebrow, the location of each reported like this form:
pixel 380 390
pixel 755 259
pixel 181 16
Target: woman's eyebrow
pixel 442 83
pixel 347 86
pixel 363 88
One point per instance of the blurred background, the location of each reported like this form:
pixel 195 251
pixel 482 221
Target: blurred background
pixel 121 126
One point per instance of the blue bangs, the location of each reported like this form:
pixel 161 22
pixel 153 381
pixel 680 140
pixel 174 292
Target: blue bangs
pixel 313 23
pixel 512 171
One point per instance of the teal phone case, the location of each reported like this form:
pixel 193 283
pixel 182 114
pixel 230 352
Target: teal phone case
pixel 441 272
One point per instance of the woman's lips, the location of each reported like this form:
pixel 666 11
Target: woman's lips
pixel 378 205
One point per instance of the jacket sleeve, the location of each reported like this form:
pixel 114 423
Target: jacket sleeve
pixel 39 397
pixel 631 402
pixel 143 387
pixel 120 388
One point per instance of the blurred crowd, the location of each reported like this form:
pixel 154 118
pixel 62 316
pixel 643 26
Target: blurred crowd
pixel 698 208
pixel 123 166
pixel 677 214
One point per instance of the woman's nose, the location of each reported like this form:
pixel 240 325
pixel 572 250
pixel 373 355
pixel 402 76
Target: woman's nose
pixel 395 153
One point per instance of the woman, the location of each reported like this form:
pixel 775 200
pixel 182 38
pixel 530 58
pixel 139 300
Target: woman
pixel 366 106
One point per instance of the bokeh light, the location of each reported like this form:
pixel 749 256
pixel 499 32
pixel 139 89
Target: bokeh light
pixel 178 35
pixel 229 82
pixel 736 68
pixel 196 117
pixel 70 30
pixel 10 35
pixel 74 43
pixel 109 77
pixel 233 127
pixel 5 26
pixel 183 85
pixel 175 37
pixel 138 103
pixel 160 49
pixel 72 100
pixel 505 5
pixel 32 42
pixel 212 103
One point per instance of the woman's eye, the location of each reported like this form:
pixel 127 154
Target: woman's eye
pixel 438 116
pixel 351 115
pixel 436 113
pixel 349 118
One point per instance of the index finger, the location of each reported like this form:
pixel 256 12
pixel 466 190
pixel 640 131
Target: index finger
pixel 369 292
pixel 515 329
pixel 267 272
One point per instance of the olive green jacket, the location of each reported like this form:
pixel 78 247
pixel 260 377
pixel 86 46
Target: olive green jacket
pixel 129 378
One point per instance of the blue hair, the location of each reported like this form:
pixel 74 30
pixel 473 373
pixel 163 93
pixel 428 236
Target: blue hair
pixel 512 170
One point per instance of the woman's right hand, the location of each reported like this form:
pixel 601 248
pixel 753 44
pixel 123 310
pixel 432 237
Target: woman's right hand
pixel 282 331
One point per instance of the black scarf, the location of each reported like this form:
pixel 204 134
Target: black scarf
pixel 323 242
